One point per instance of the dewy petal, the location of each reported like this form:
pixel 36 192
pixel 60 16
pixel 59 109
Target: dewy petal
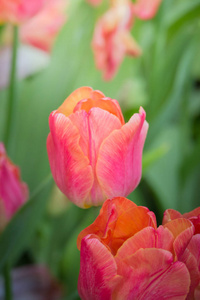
pixel 146 9
pixel 97 268
pixel 92 134
pixel 70 102
pixel 119 164
pixel 69 165
pixel 182 231
pixel 151 274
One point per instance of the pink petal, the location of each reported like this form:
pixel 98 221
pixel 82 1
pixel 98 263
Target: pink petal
pixel 69 165
pixel 119 164
pixel 170 214
pixel 97 268
pixel 152 275
pixel 147 238
pixel 182 231
pixel 93 128
pixel 146 9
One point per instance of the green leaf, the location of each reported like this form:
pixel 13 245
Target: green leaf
pixel 19 231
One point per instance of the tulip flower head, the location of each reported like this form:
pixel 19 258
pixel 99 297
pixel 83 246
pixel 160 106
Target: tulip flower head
pixel 125 256
pixel 146 9
pixel 112 39
pixel 41 30
pixel 92 153
pixel 19 11
pixel 13 192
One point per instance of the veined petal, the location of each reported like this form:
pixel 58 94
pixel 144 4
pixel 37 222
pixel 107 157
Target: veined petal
pixel 70 167
pixel 182 231
pixel 170 214
pixel 146 238
pixel 70 102
pixel 97 268
pixel 151 274
pixel 119 164
pixel 92 134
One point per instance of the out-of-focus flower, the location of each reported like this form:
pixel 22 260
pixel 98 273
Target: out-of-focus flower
pixel 146 9
pixel 41 30
pixel 13 192
pixel 93 154
pixel 125 256
pixel 191 256
pixel 19 11
pixel 112 39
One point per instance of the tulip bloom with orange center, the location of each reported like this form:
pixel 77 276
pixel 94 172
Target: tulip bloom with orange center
pixel 93 154
pixel 13 192
pixel 125 256
pixel 19 11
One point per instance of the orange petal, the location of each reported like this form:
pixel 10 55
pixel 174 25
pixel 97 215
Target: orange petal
pixel 170 214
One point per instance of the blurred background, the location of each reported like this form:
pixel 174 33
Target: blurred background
pixel 165 80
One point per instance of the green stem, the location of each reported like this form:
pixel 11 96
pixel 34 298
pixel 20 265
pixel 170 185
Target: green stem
pixel 11 105
pixel 7 283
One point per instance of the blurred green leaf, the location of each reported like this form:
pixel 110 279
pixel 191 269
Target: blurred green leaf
pixel 19 231
pixel 152 156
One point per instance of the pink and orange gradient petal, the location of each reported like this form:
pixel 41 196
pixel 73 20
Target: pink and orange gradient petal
pixel 151 274
pixel 119 163
pixel 66 156
pixel 98 263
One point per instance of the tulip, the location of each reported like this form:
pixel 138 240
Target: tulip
pixel 146 9
pixel 92 153
pixel 13 192
pixel 112 39
pixel 41 30
pixel 19 11
pixel 191 256
pixel 123 255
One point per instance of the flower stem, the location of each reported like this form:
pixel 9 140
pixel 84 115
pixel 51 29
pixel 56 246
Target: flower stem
pixel 11 105
pixel 7 282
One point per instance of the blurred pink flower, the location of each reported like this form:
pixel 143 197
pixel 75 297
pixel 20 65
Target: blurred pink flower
pixel 13 192
pixel 125 256
pixel 41 30
pixel 93 154
pixel 112 39
pixel 19 11
pixel 146 9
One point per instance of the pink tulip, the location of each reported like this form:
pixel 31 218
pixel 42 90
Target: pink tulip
pixel 146 9
pixel 41 30
pixel 125 256
pixel 191 256
pixel 93 154
pixel 19 11
pixel 112 39
pixel 13 192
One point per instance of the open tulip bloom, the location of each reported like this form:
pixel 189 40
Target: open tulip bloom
pixel 124 255
pixel 93 154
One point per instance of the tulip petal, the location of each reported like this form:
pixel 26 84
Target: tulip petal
pixel 119 164
pixel 70 102
pixel 151 274
pixel 182 231
pixel 92 134
pixel 70 167
pixel 170 214
pixel 97 268
pixel 146 238
pixel 146 9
